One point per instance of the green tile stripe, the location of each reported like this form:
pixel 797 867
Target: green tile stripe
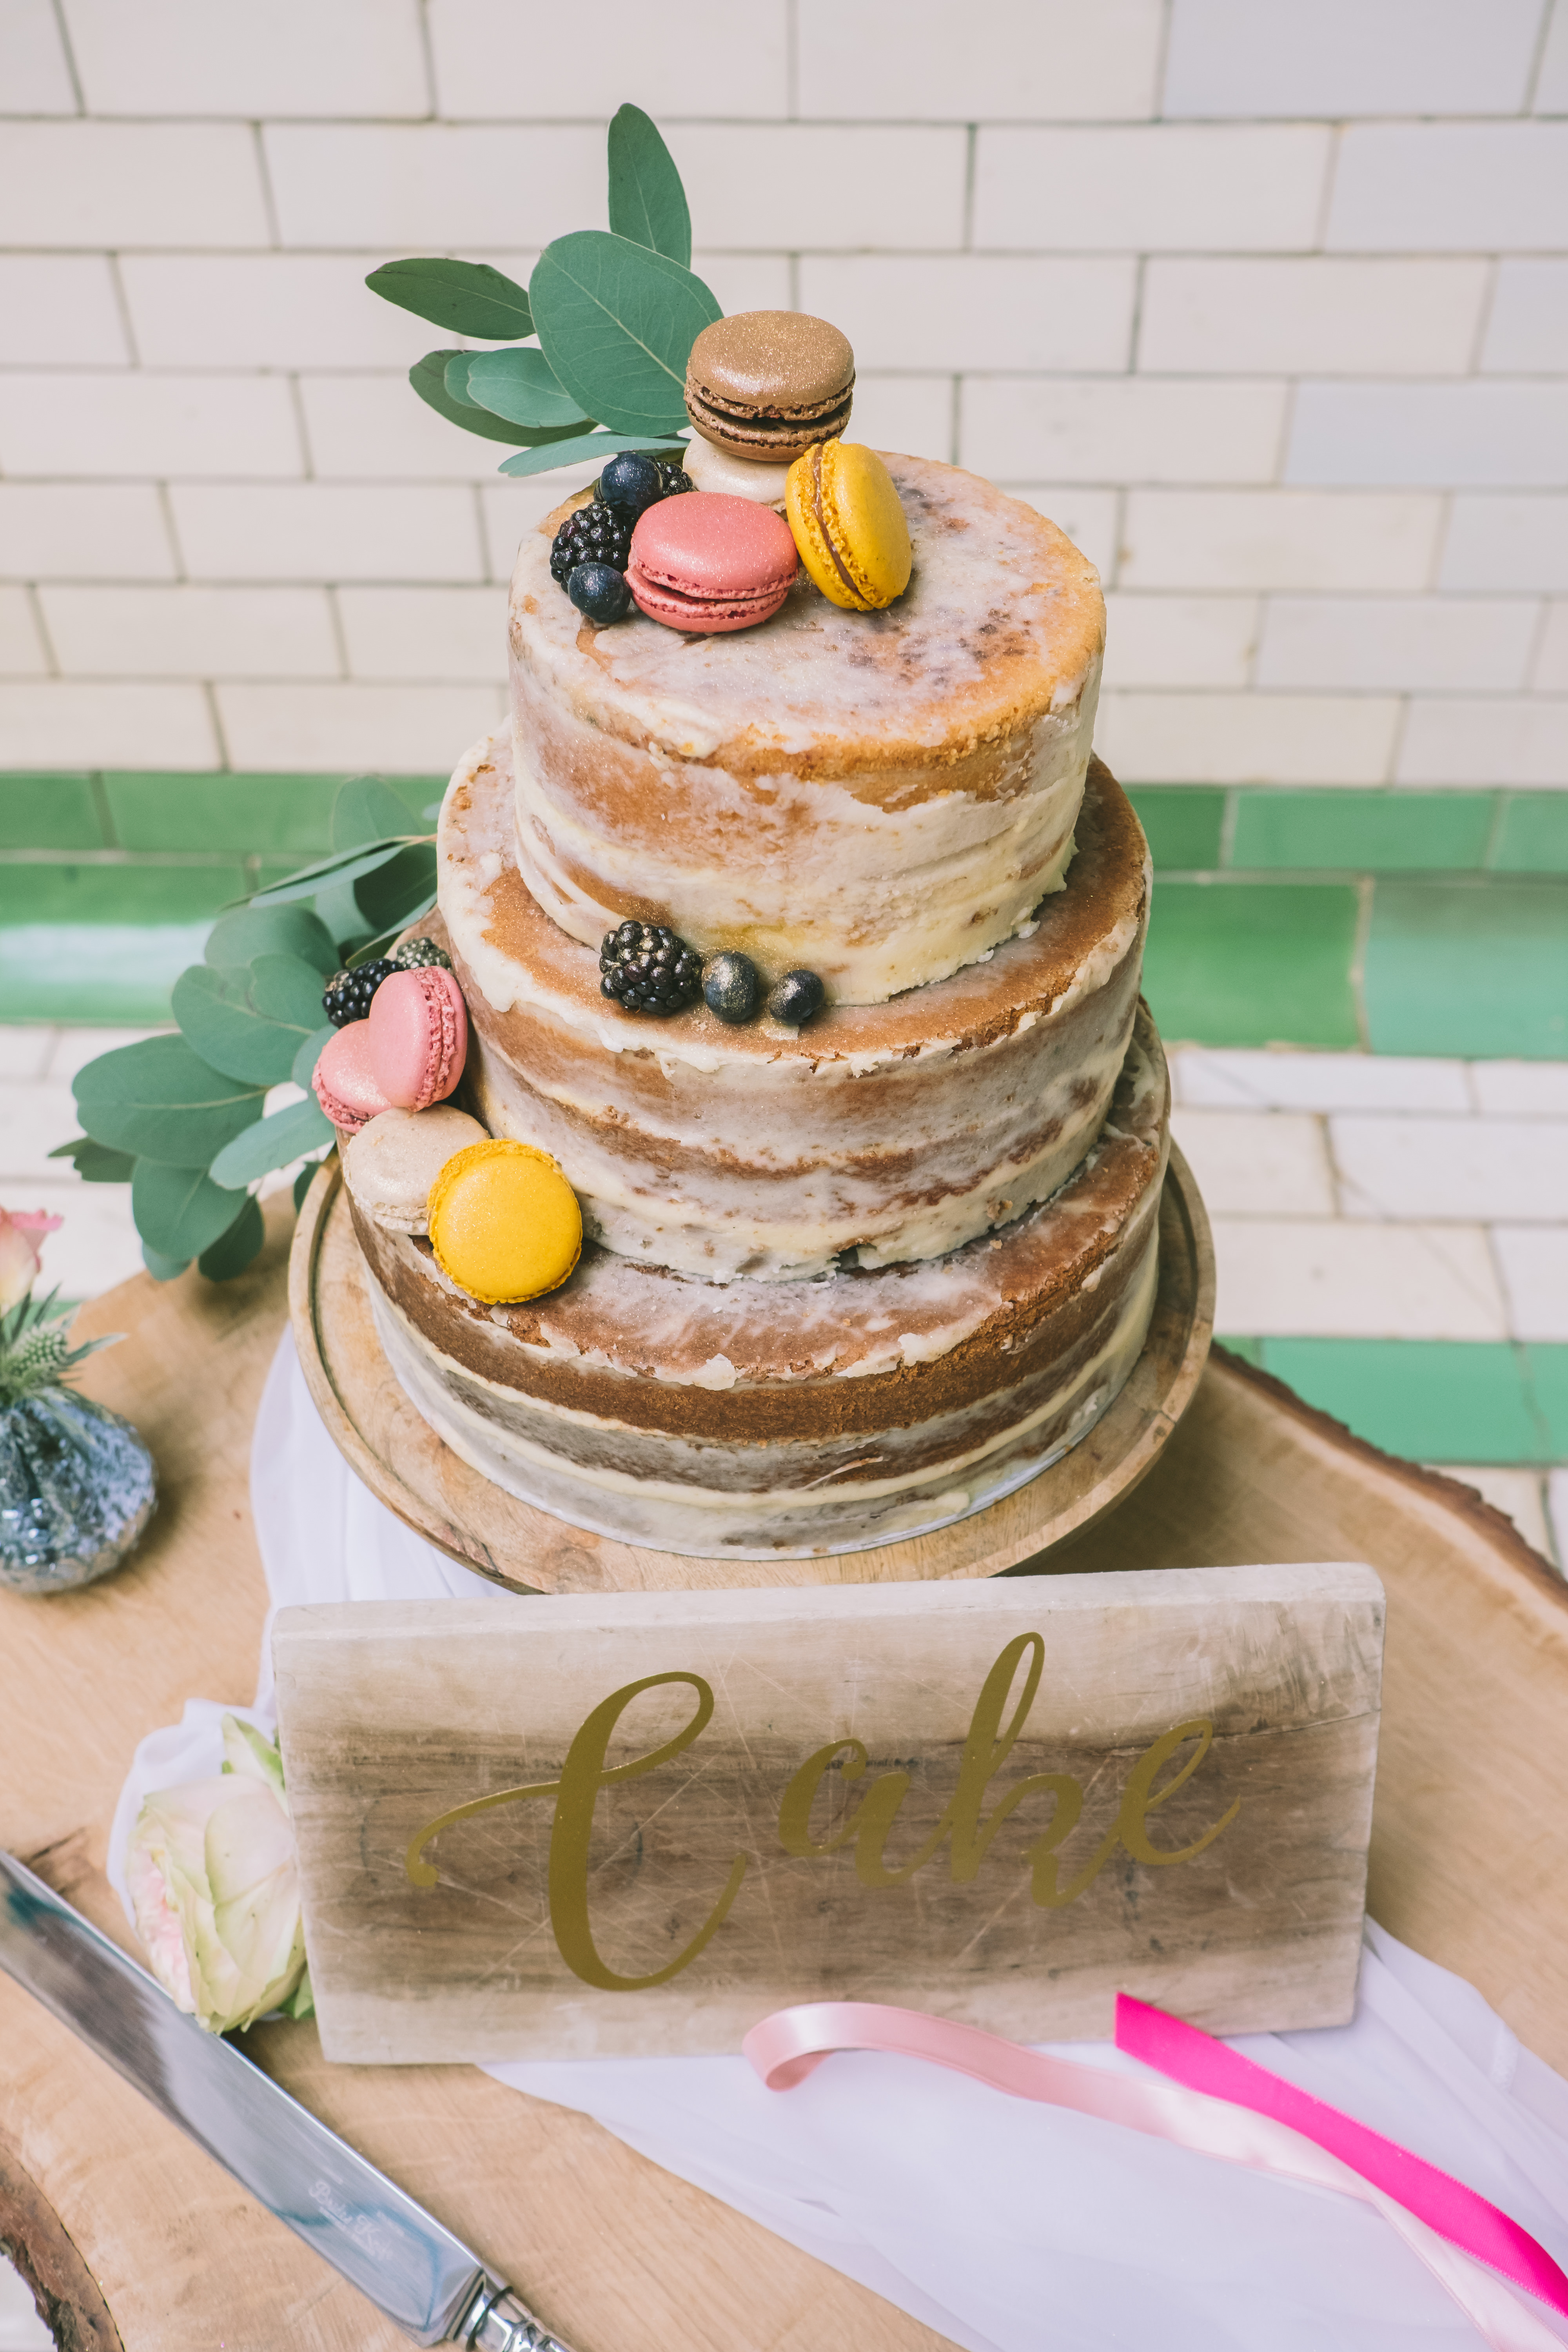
pixel 1478 1401
pixel 1402 923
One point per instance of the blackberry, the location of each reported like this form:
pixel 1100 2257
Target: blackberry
pixel 646 969
pixel 675 478
pixel 592 535
pixel 414 954
pixel 348 994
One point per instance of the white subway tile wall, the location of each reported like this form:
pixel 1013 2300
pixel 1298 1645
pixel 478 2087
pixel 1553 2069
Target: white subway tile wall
pixel 1267 305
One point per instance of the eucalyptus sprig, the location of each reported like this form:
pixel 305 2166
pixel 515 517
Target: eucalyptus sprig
pixel 597 344
pixel 182 1118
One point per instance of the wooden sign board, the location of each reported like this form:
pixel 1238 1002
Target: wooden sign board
pixel 634 1825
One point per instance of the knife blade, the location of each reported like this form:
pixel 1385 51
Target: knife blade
pixel 427 2282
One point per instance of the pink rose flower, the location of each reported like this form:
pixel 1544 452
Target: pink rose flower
pixel 21 1230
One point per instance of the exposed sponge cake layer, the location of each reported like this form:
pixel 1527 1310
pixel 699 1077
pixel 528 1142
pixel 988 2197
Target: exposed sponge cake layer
pixel 784 1419
pixel 876 1134
pixel 880 797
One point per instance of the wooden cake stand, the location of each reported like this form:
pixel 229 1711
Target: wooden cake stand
pixel 411 1471
pixel 141 2242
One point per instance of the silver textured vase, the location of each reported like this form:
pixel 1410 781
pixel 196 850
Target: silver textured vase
pixel 77 1488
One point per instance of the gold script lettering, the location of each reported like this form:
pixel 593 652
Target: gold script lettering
pixel 965 1826
pixel 576 1792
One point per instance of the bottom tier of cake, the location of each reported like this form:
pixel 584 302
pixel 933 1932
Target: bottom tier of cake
pixel 778 1420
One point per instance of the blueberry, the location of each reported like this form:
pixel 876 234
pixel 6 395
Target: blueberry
pixel 732 988
pixel 631 480
pixel 600 592
pixel 796 999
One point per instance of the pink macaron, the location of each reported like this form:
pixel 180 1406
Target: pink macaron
pixel 418 1028
pixel 344 1080
pixel 706 561
pixel 408 1054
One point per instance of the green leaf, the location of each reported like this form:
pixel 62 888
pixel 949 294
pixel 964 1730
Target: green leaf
pixel 522 386
pixel 221 1020
pixel 93 1164
pixel 179 1211
pixel 648 203
pixel 163 1269
pixel 159 1099
pixel 271 1143
pixel 303 1182
pixel 271 930
pixel 401 891
pixel 367 811
pixel 234 1249
pixel 617 323
pixel 466 298
pixel 455 376
pixel 288 992
pixel 589 448
pixel 344 865
pixel 309 1054
pixel 428 377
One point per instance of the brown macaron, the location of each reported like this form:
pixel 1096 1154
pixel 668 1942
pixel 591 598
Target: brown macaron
pixel 765 384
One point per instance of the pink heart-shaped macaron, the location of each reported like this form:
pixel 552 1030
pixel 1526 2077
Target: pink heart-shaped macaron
pixel 418 1041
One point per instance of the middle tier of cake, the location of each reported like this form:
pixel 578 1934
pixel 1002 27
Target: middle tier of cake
pixel 878 1134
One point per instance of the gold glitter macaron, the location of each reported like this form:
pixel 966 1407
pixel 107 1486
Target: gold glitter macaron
pixel 503 1221
pixel 764 384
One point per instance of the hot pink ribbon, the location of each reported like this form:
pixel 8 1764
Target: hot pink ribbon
pixel 1221 2105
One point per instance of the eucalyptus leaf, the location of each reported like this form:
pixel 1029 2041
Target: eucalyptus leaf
pixel 344 865
pixel 160 1268
pixel 309 1054
pixel 179 1211
pixel 93 1163
pixel 303 1182
pixel 291 930
pixel 466 298
pixel 270 1143
pixel 339 911
pixel 428 377
pixel 618 322
pixel 648 203
pixel 522 386
pixel 401 891
pixel 589 448
pixel 159 1099
pixel 367 811
pixel 455 376
pixel 218 1021
pixel 290 993
pixel 234 1249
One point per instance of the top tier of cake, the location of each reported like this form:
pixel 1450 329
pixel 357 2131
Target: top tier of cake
pixel 881 798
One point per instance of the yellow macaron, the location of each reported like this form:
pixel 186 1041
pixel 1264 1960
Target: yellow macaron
pixel 849 525
pixel 503 1221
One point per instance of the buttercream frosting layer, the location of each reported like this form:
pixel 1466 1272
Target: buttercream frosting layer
pixel 876 1134
pixel 804 1417
pixel 879 797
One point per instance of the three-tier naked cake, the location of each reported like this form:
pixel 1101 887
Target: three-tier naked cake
pixel 849 1281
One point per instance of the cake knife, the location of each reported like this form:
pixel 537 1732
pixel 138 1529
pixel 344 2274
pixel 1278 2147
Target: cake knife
pixel 428 2283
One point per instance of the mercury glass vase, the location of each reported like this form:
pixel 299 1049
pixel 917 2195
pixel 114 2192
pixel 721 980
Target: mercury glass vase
pixel 77 1488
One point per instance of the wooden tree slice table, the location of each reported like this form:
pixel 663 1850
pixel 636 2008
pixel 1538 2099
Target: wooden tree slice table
pixel 414 1473
pixel 140 2241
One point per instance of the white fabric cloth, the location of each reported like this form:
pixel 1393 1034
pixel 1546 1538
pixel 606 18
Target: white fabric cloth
pixel 1007 2226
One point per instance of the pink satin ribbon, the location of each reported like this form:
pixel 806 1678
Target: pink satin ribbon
pixel 1220 2104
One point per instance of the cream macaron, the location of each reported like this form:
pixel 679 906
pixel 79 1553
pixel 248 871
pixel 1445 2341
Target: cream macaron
pixel 390 1165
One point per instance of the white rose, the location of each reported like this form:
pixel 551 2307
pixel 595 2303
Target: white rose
pixel 215 1887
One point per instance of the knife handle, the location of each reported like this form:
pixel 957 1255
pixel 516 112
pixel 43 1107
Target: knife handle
pixel 497 2322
